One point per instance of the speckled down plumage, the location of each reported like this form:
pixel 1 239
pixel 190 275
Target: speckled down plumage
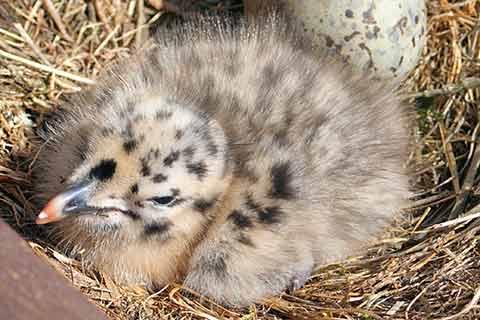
pixel 232 158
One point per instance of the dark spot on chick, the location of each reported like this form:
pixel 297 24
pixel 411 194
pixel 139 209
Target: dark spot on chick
pixel 198 168
pixel 171 158
pixel 145 170
pixel 188 152
pixel 281 175
pixel 175 192
pixel 212 149
pixel 159 178
pixel 104 170
pixel 131 214
pixel 240 220
pixel 202 205
pixel 281 138
pixel 163 115
pixel 243 170
pixel 178 134
pixel 270 215
pixel 218 266
pixel 252 204
pixel 416 19
pixel 155 228
pixel 245 240
pixel 153 153
pixel 134 188
pixel 266 215
pixel 130 145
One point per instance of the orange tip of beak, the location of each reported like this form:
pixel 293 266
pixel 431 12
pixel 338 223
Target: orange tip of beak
pixel 49 214
pixel 42 218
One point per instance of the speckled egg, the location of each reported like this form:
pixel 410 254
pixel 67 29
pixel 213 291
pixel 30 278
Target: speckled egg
pixel 383 36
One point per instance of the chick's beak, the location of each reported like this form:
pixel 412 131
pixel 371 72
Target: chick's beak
pixel 71 201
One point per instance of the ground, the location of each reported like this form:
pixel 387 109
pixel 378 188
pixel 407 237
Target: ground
pixel 426 266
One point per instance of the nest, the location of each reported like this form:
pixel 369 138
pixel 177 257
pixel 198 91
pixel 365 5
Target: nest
pixel 427 266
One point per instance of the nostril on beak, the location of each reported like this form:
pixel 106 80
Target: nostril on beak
pixel 75 204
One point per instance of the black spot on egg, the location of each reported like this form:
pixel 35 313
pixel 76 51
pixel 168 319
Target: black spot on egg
pixel 240 220
pixel 171 158
pixel 329 41
pixel 130 145
pixel 349 13
pixel 104 170
pixel 281 175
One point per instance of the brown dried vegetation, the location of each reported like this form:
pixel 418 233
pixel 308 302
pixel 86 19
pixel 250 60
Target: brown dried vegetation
pixel 428 265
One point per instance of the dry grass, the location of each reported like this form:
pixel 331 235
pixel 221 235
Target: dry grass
pixel 428 266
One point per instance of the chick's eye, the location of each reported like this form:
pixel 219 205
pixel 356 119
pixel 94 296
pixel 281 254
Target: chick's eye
pixel 162 200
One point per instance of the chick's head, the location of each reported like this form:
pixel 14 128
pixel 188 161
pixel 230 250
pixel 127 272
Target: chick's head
pixel 151 169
